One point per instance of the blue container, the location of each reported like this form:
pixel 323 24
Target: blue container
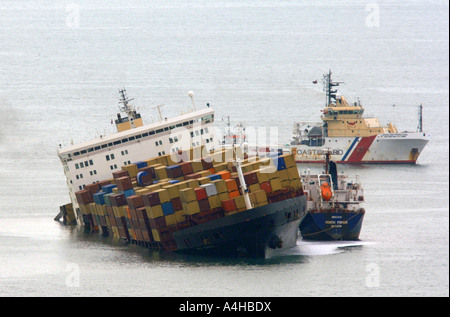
pixel 108 188
pixel 279 163
pixel 99 199
pixel 140 164
pixel 139 177
pixel 107 200
pixel 173 181
pixel 167 208
pixel 213 177
pixel 129 192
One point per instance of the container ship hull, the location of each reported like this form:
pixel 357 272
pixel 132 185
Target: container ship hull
pixel 260 232
pixel 326 226
pixel 403 148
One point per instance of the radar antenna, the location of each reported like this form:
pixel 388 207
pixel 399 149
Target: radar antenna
pixel 328 85
pixel 126 107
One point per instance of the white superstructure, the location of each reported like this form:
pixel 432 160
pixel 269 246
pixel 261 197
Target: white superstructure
pixel 93 161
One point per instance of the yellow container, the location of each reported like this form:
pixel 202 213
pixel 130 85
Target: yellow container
pixel 239 202
pixel 283 175
pixel 156 236
pixel 275 184
pixel 154 211
pixel 286 184
pixel 204 180
pixel 224 196
pixel 132 169
pixel 289 160
pixel 179 216
pixel 260 196
pixel 191 208
pixel 163 195
pixel 254 188
pixel 197 166
pixel 161 172
pixel 172 190
pixel 182 185
pixel 221 186
pixel 192 183
pixel 171 219
pixel 187 195
pixel 293 173
pixel 262 176
pixel 214 201
pixel 153 187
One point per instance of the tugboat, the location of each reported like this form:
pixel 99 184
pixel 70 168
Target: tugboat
pixel 334 206
pixel 352 138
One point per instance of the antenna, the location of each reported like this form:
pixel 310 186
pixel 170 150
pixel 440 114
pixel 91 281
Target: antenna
pixel 420 126
pixel 328 84
pixel 128 109
pixel 191 95
pixel 159 111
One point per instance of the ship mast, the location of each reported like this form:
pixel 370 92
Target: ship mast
pixel 328 85
pixel 126 107
pixel 420 126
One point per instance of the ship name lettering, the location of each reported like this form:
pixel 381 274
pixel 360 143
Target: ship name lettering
pixel 319 152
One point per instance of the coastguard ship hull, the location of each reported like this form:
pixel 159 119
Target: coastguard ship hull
pixel 260 232
pixel 332 226
pixel 403 148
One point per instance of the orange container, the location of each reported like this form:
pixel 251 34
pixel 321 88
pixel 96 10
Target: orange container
pixel 224 174
pixel 228 205
pixel 234 194
pixel 231 185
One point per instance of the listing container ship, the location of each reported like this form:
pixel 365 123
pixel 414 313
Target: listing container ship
pixel 144 186
pixel 353 138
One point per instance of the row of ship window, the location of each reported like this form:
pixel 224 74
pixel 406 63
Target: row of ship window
pixel 207 119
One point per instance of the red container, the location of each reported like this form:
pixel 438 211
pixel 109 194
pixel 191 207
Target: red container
pixel 135 201
pixel 201 193
pixel 150 170
pixel 251 178
pixel 229 205
pixel 120 174
pixel 158 223
pixel 124 183
pixel 118 200
pixel 204 205
pixel 266 187
pixel 93 188
pixel 186 168
pixel 84 197
pixel 177 204
pixel 151 199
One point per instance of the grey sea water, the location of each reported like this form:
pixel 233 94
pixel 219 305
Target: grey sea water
pixel 62 63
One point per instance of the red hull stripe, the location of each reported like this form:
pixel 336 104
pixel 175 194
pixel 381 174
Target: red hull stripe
pixel 363 162
pixel 361 149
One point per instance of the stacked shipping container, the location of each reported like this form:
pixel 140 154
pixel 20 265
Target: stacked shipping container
pixel 147 201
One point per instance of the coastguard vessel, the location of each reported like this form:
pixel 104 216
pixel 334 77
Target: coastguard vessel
pixel 353 138
pixel 334 206
pixel 143 185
